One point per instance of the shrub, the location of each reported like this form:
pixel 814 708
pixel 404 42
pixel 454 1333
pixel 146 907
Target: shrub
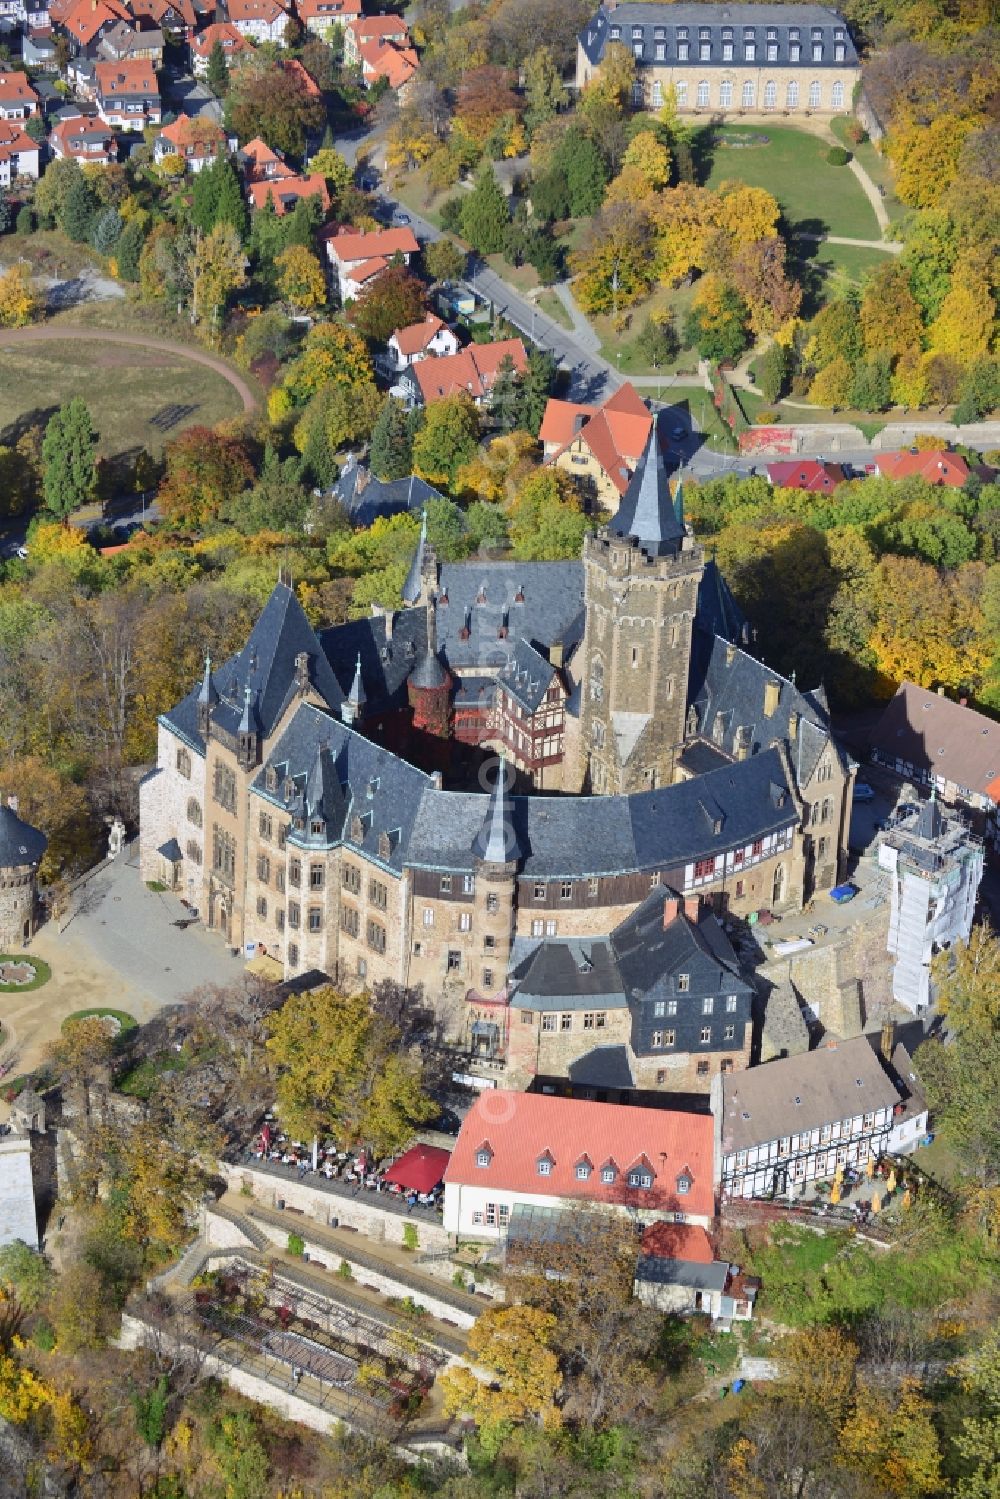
pixel 410 1239
pixel 857 133
pixel 25 221
pixel 765 418
pixel 44 1335
pixel 837 156
pixel 344 1270
pixel 296 1244
pixel 458 1281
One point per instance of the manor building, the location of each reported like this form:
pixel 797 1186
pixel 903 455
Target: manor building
pixel 301 798
pixel 728 59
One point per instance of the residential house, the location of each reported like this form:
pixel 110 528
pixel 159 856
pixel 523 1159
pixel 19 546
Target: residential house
pixel 719 59
pixel 128 95
pixel 123 43
pixel 285 191
pixel 18 100
pixel 932 741
pixel 794 1121
pixel 473 369
pixel 598 446
pixel 322 17
pixel 396 62
pixel 259 20
pixel 677 1272
pixel 939 467
pixel 83 139
pixel 806 473
pixel 909 1121
pixel 293 67
pixel 88 22
pixel 233 43
pixel 419 341
pixel 196 141
pixel 367 499
pixel 261 164
pixel 18 154
pixel 373 29
pixel 178 17
pixel 38 51
pixel 533 1150
pixel 359 255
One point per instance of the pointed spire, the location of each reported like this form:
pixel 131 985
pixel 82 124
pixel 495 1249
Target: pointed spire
pixel 324 795
pixel 646 510
pixel 413 587
pixel 207 694
pixel 679 503
pixel 248 723
pixel 357 693
pixel 497 842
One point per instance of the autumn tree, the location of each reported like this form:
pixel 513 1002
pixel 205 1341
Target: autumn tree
pixel 331 352
pixel 333 417
pixel 19 303
pixel 546 520
pixel 485 97
pixel 514 1343
pixel 218 269
pixel 611 87
pixel 717 321
pixel 966 322
pixel 544 91
pixel 926 157
pixel 444 260
pixel 300 278
pixel 832 386
pixel 204 470
pixel 26 1273
pixel 890 316
pixel 448 439
pixel 273 103
pixel 341 1073
pixel 614 265
pixel 69 459
pixel 392 300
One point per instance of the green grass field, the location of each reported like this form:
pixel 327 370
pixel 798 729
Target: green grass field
pixel 663 299
pixel 813 195
pixel 875 164
pixel 138 397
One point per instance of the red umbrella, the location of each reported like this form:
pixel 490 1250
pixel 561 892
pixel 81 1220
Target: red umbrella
pixel 419 1169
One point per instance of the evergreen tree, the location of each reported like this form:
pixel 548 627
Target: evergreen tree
pixel 129 249
pixel 870 388
pixel 107 230
pixel 505 397
pixel 6 212
pixel 392 442
pixel 230 207
pixel 69 467
pixel 772 372
pixel 76 215
pixel 25 221
pixel 205 197
pixel 585 170
pixel 534 388
pixel 217 76
pixel 301 224
pixel 484 213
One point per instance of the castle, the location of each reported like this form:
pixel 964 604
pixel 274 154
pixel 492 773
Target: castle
pixel 301 794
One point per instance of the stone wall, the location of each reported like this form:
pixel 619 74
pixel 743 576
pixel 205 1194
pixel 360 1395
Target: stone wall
pixel 17 907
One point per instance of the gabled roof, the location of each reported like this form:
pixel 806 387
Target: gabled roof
pixel 649 955
pixel 473 369
pixel 328 10
pixel 224 32
pixel 284 192
pixel 806 473
pixel 121 79
pixel 562 420
pixel 397 64
pixel 647 507
pixel 936 734
pixel 14 141
pixel 351 245
pixel 415 337
pixel 85 20
pixel 201 130
pixel 616 433
pixel 15 89
pixel 255 10
pixel 522 1127
pixel 527 675
pixel 293 67
pixel 365 498
pixel 70 135
pixel 677 1241
pixel 260 161
pixel 937 468
pixel 378 28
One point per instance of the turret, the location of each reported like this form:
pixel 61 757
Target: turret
pixel 248 733
pixel 353 707
pixel 207 699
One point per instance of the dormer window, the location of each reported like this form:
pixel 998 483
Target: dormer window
pixel 384 846
pixel 289 789
pixel 683 1185
pixel 683 983
pixel 484 1156
pixel 357 830
pixel 609 1172
pixel 271 778
pixel 545 1164
pixel 584 1169
pixel 316 827
pixel 616 33
pixel 640 1178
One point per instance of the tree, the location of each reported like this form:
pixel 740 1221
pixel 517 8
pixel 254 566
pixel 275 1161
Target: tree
pixel 580 163
pixel 333 168
pixel 331 352
pixel 218 268
pixel 25 1272
pixel 391 454
pixel 980 391
pixel 18 302
pixel 758 274
pixel 392 300
pixel 129 250
pixel 717 321
pixel 217 73
pixel 965 324
pixel 277 501
pixel 340 1072
pixel 275 104
pixel 926 157
pixel 505 396
pixel 612 87
pixel 546 521
pixel 485 213
pixel 204 470
pixel 447 439
pixel 106 230
pixel 80 1312
pixel 890 315
pixel 772 372
pixel 485 97
pixel 444 260
pixel 69 466
pixel 871 388
pixel 978 1441
pixel 216 198
pixel 650 157
pixel 544 92
pixel 300 278
pixel 514 1343
pixel 76 215
pixel 615 263
pixel 6 213
pixel 335 416
pixel 832 386
pixel 53 187
pixel 835 332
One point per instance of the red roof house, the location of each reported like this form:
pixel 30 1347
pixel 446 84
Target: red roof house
pixel 939 467
pixel 84 139
pixel 599 445
pixel 358 256
pixel 232 42
pixel 539 1150
pixel 285 191
pixel 18 100
pixel 806 473
pixel 473 370
pixel 18 154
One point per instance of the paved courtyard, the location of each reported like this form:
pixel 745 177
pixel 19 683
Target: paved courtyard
pixel 118 946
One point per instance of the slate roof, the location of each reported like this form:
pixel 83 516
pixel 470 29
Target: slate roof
pixel 760 1104
pixel 649 954
pixel 551 608
pixel 20 843
pixel 602 1067
pixel 717 611
pixel 527 676
pixel 366 498
pixel 497 841
pixel 385 663
pixel 662 24
pixel 647 508
pixel 565 973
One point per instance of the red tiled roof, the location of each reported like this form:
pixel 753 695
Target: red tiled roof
pixel 678 1241
pixel 806 473
pixel 85 19
pixel 364 270
pixel 263 163
pixel 473 369
pixel 14 141
pixel 157 10
pixel 562 420
pixel 520 1128
pixel 115 79
pixel 279 188
pixel 15 89
pixel 378 28
pixel 233 41
pixel 416 336
pixel 329 10
pixel 79 128
pixel 200 131
pixel 387 60
pixel 937 467
pixel 615 432
pixel 255 10
pixel 352 245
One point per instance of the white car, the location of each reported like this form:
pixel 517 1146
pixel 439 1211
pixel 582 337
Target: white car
pixel 863 792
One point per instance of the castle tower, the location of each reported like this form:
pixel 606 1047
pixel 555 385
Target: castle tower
pixel 429 687
pixel 497 849
pixel 21 850
pixel 641 577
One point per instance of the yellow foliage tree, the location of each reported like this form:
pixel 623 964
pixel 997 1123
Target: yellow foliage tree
pixel 513 1343
pixel 650 157
pixel 747 214
pixel 171 166
pixel 966 323
pixel 611 87
pixel 684 221
pixel 22 1393
pixel 52 542
pixel 893 1442
pixel 909 380
pixel 817 1369
pixel 926 157
pixel 218 268
pixel 18 302
pixel 300 278
pixel 929 627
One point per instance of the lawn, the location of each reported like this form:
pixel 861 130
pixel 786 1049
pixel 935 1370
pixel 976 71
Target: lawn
pixel 875 164
pixel 126 1022
pixel 814 196
pixel 631 362
pixel 548 302
pixel 138 397
pixel 826 271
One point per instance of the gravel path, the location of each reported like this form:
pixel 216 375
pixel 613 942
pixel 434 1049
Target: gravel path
pixel 9 336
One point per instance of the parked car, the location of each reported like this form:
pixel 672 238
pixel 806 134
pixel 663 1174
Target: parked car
pixel 863 792
pixel 843 893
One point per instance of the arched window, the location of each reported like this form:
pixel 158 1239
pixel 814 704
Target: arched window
pixel 194 811
pixel 778 888
pixel 814 94
pixel 681 92
pixel 726 95
pixel 638 98
pixel 748 94
pixel 703 94
pixel 837 97
pixel 792 95
pixel 657 94
pixel 770 94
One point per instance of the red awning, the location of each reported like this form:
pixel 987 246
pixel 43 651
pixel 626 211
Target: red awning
pixel 420 1168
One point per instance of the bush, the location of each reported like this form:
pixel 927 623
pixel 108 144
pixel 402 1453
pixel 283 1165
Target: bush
pixel 296 1244
pixel 410 1240
pixel 44 1335
pixel 25 221
pixel 451 215
pixel 344 1270
pixel 837 156
pixel 765 418
pixel 857 133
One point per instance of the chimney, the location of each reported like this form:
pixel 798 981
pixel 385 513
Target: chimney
pixel 886 1039
pixel 556 654
pixel 671 906
pixel 772 696
pixel 793 726
pixel 730 654
pixel 436 780
pixel 692 908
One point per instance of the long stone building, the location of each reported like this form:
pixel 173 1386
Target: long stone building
pixel 728 59
pixel 301 797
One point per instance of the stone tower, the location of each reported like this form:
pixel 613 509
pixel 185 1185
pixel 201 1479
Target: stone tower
pixel 21 850
pixel 641 577
pixel 497 851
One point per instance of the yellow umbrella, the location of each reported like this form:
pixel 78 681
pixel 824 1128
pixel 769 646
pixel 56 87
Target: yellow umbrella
pixel 890 1185
pixel 870 1167
pixel 835 1192
pixel 876 1203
